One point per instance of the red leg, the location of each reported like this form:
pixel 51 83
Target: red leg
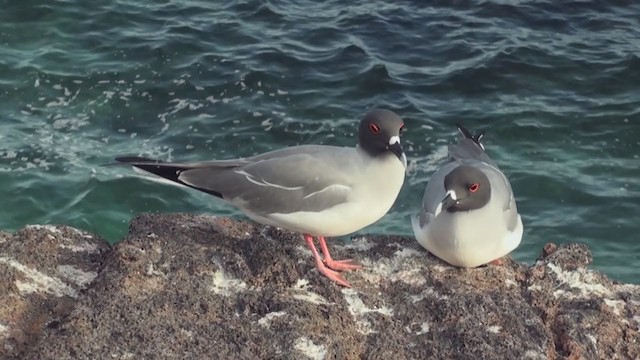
pixel 333 275
pixel 339 265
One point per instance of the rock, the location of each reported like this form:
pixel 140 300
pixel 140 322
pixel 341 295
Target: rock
pixel 44 270
pixel 590 316
pixel 187 286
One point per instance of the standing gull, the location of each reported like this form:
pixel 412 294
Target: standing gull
pixel 468 215
pixel 316 190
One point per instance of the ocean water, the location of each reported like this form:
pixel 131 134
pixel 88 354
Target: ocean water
pixel 556 86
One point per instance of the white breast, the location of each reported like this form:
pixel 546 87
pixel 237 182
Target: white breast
pixel 470 239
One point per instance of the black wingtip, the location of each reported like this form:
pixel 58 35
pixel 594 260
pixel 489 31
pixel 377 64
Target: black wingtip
pixel 463 130
pixel 123 160
pixel 134 159
pixel 166 170
pixel 467 134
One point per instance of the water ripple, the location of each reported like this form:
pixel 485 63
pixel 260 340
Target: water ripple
pixel 555 85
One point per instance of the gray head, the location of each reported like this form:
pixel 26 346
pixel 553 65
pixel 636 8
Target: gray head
pixel 379 134
pixel 467 187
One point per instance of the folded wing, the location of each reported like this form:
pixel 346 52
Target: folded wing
pixel 282 182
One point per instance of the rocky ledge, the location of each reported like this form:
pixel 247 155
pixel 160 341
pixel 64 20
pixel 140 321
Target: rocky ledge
pixel 196 287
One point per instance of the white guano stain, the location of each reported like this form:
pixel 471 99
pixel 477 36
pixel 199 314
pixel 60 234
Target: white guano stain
pixel 582 280
pixel 38 281
pixel 309 349
pixel 424 328
pixel 224 285
pixel 494 329
pixel 359 310
pixel 359 243
pixel 50 228
pixel 301 292
pixel 266 320
pixel 81 247
pixel 4 331
pixel 77 276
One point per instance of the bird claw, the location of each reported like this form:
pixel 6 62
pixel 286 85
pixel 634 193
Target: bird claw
pixel 342 265
pixel 335 276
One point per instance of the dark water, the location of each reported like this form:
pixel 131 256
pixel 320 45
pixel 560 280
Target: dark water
pixel 555 84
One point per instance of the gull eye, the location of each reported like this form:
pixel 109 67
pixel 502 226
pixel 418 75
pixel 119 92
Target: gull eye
pixel 474 187
pixel 374 128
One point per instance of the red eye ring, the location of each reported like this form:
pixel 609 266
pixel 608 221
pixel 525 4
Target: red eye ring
pixel 474 187
pixel 374 128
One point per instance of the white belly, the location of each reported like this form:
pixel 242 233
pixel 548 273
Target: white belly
pixel 369 201
pixel 469 241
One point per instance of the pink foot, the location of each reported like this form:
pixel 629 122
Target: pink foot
pixel 342 265
pixel 333 275
pixel 497 262
pixel 338 265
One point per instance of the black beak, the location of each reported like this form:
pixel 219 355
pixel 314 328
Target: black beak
pixel 448 202
pixel 397 150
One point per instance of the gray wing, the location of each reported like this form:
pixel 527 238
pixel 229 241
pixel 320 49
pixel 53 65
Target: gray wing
pixel 434 193
pixel 511 215
pixel 305 178
pixel 501 191
pixel 467 150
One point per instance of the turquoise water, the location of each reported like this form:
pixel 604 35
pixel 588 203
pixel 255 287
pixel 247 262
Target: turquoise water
pixel 557 87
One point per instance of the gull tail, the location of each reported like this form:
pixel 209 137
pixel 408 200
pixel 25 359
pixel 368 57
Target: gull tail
pixel 166 170
pixel 468 135
pixel 469 147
